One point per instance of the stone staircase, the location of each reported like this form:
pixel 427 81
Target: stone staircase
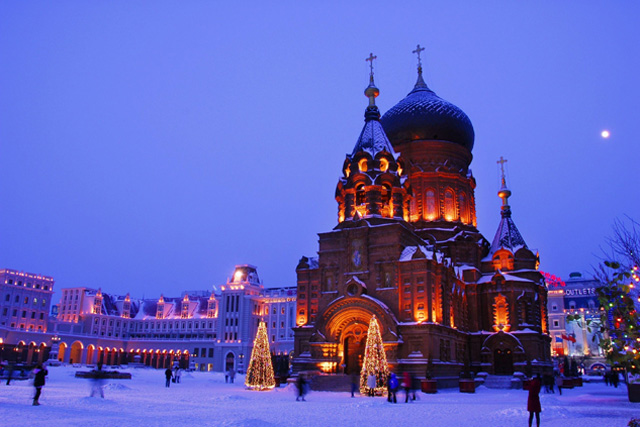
pixel 498 381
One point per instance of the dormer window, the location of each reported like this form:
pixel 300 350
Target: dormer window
pixel 503 260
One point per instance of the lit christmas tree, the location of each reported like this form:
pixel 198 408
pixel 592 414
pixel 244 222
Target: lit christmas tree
pixel 375 360
pixel 260 372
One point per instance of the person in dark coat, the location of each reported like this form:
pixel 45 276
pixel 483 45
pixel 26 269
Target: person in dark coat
pixel 301 384
pixel 392 387
pixel 355 378
pixel 38 382
pixel 168 375
pixel 533 402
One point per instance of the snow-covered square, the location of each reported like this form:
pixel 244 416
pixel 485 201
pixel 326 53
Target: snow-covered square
pixel 203 398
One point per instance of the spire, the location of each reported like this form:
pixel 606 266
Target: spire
pixel 420 84
pixel 504 192
pixel 371 92
pixel 372 139
pixel 507 235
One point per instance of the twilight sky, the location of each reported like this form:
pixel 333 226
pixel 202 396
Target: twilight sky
pixel 148 147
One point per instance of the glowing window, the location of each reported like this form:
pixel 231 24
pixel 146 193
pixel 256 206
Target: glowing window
pixel 384 165
pixel 449 206
pixel 430 205
pixel 362 165
pixel 465 217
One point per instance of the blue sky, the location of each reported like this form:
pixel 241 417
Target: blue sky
pixel 149 147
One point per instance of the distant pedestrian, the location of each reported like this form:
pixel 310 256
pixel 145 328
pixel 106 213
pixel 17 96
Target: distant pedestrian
pixel 232 375
pixel 355 378
pixel 406 384
pixel 97 381
pixel 168 374
pixel 533 402
pixel 301 385
pixel 392 387
pixel 615 378
pixel 38 382
pixel 559 380
pixel 177 374
pixel 371 384
pixel 9 373
pixel 415 386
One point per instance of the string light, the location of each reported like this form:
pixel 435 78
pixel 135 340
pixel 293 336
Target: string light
pixel 260 371
pixel 375 360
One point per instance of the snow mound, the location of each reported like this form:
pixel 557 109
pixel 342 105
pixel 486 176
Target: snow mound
pixel 116 386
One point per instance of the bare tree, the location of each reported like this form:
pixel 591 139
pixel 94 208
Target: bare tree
pixel 623 246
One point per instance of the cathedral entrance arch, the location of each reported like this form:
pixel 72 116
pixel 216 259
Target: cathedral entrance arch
pixel 502 349
pixel 503 361
pixel 354 341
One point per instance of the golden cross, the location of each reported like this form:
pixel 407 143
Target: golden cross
pixel 370 60
pixel 418 50
pixel 501 162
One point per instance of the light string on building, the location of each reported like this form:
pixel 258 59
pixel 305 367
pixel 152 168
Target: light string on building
pixel 260 372
pixel 375 360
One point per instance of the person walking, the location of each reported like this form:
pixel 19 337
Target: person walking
pixel 38 382
pixel 354 383
pixel 168 374
pixel 406 384
pixel 232 375
pixel 97 381
pixel 301 383
pixel 371 384
pixel 392 387
pixel 177 374
pixel 9 373
pixel 533 402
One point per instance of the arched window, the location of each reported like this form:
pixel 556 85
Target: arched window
pixel 464 208
pixel 386 193
pixel 449 206
pixel 430 205
pixel 360 195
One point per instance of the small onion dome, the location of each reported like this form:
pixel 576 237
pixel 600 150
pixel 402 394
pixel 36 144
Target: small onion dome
pixel 423 115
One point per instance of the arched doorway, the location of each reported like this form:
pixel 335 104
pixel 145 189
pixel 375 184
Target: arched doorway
pixel 31 352
pixel 354 343
pixel 229 362
pixel 503 361
pixel 91 351
pixel 75 356
pixel 62 350
pixel 41 352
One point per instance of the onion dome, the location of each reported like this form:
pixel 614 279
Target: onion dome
pixel 423 115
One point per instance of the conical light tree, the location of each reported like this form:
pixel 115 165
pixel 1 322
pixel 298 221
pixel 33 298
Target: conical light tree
pixel 260 372
pixel 375 360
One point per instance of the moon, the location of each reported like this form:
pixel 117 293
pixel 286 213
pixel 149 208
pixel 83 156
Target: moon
pixel 605 134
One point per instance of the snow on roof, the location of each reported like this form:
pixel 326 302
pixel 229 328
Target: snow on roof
pixel 409 252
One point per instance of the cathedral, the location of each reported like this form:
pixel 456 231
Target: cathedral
pixel 407 251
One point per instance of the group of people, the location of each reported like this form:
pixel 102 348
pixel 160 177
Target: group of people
pixel 230 376
pixel 407 382
pixel 172 375
pixel 611 378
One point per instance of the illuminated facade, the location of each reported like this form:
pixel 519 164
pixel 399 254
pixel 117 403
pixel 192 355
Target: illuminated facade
pixel 25 301
pixel 199 329
pixel 406 249
pixel 575 296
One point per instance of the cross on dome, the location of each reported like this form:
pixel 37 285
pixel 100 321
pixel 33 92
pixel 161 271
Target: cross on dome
pixel 418 50
pixel 370 61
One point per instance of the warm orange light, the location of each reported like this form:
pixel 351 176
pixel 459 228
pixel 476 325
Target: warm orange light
pixel 362 165
pixel 384 165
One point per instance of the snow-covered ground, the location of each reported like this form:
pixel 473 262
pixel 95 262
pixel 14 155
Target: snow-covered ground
pixel 204 399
